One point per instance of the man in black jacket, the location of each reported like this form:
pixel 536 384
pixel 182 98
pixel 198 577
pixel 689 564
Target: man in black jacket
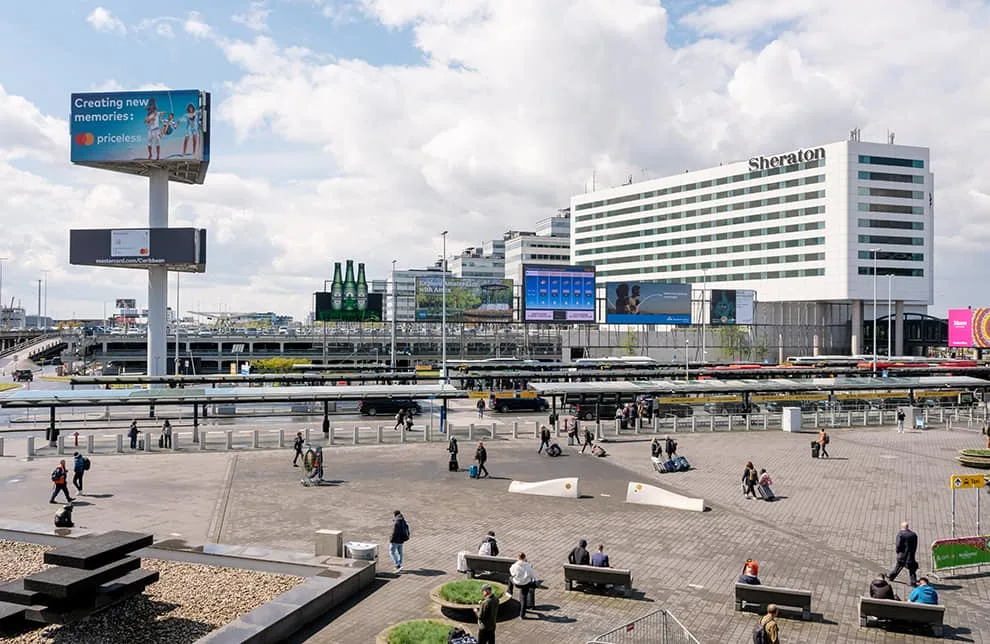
pixel 906 547
pixel 297 445
pixel 400 535
pixel 880 589
pixel 487 616
pixel 579 555
pixel 481 455
pixel 544 439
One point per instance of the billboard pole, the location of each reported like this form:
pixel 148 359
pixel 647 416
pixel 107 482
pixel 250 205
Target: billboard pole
pixel 443 313
pixel 157 275
pixel 392 307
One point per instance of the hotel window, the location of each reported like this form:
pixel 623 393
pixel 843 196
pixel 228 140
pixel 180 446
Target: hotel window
pixel 904 163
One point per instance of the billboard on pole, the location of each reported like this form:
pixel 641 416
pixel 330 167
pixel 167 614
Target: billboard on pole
pixel 177 249
pixel 133 132
pixel 647 303
pixel 731 307
pixel 960 327
pixel 558 294
pixel 469 299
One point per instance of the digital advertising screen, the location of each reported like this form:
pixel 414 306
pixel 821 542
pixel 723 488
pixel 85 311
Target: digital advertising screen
pixel 370 309
pixel 177 249
pixel 558 294
pixel 731 307
pixel 469 299
pixel 960 327
pixel 135 131
pixel 647 303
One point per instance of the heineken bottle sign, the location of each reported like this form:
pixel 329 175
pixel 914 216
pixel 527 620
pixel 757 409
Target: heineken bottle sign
pixel 349 299
pixel 350 288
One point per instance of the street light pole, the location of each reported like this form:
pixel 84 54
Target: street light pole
pixel 325 330
pixel 687 364
pixel 889 287
pixel 704 314
pixel 3 319
pixel 178 319
pixel 443 312
pixel 394 313
pixel 45 272
pixel 874 251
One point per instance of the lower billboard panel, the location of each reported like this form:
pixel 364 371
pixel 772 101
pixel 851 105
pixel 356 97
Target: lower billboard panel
pixel 177 249
pixel 647 303
pixel 560 294
pixel 732 307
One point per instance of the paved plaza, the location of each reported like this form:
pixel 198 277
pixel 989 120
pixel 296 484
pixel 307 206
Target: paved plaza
pixel 831 532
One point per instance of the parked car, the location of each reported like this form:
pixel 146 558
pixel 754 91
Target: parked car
pixel 23 375
pixel 731 408
pixel 503 405
pixel 376 406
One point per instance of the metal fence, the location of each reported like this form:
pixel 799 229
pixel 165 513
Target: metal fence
pixel 658 627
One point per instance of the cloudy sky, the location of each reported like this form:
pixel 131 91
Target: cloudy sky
pixel 362 128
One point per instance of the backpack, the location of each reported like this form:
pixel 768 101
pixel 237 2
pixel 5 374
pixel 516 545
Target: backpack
pixel 553 450
pixel 760 635
pixel 56 473
pixel 826 439
pixel 406 529
pixel 86 463
pixel 486 549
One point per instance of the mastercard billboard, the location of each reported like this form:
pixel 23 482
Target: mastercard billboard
pixel 134 132
pixel 177 249
pixel 969 328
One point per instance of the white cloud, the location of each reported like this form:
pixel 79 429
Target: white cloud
pixel 101 19
pixel 113 85
pixel 255 18
pixel 194 26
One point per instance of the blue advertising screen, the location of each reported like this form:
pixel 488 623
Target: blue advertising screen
pixel 647 303
pixel 558 294
pixel 152 128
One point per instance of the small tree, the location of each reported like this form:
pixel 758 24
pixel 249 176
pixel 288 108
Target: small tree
pixel 630 344
pixel 273 365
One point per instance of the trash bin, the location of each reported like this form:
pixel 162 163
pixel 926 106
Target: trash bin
pixel 358 550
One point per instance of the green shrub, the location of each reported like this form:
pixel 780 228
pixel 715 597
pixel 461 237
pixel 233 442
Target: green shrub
pixel 466 591
pixel 975 452
pixel 424 631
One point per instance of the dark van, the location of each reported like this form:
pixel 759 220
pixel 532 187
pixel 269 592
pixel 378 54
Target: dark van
pixel 389 406
pixel 503 405
pixel 23 375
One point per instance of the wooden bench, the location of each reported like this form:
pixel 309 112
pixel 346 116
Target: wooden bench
pixel 616 577
pixel 483 563
pixel 900 611
pixel 761 596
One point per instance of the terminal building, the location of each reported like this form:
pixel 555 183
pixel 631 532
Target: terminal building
pixel 818 233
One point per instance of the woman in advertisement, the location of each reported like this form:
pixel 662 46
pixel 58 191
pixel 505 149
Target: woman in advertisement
pixel 191 122
pixel 153 121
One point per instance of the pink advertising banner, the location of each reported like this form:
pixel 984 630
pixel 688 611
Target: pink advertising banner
pixel 960 327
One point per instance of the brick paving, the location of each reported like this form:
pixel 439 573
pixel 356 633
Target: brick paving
pixel 831 532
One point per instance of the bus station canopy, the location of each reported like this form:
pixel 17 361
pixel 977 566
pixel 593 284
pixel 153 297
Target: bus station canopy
pixel 221 395
pixel 254 378
pixel 777 385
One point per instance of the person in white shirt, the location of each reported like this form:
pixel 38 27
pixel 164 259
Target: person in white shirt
pixel 523 577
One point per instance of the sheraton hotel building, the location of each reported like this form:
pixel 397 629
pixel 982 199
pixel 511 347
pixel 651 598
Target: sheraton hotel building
pixel 814 232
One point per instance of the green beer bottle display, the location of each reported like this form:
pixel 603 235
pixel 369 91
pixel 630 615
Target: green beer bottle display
pixel 336 290
pixel 362 290
pixel 350 288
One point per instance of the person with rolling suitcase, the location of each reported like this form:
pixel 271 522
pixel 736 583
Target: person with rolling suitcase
pixel 544 439
pixel 815 447
pixel 452 466
pixel 764 486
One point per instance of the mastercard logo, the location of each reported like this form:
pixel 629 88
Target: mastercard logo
pixel 143 251
pixel 84 138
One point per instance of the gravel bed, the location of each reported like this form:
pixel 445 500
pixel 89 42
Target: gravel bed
pixel 189 601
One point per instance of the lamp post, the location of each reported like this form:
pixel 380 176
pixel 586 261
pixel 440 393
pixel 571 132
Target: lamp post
pixel 2 318
pixel 394 313
pixel 687 364
pixel 44 310
pixel 178 320
pixel 874 251
pixel 325 282
pixel 704 314
pixel 889 287
pixel 443 312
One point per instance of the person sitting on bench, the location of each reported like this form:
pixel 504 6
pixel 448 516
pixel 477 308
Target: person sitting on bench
pixel 749 577
pixel 880 588
pixel 923 593
pixel 579 555
pixel 600 559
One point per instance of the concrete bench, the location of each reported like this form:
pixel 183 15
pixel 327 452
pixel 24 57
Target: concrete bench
pixel 761 596
pixel 108 593
pixel 616 577
pixel 900 611
pixel 11 615
pixel 89 553
pixel 483 563
pixel 70 583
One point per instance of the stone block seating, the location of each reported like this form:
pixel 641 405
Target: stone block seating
pixel 889 610
pixel 760 596
pixel 484 564
pixel 88 575
pixel 618 578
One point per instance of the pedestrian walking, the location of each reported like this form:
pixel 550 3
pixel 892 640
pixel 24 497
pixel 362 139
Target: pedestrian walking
pixel 523 577
pixel 767 631
pixel 481 407
pixel 481 455
pixel 544 439
pixel 400 535
pixel 589 438
pixel 58 482
pixel 78 469
pixel 905 547
pixel 297 446
pixel 900 421
pixel 487 616
pixel 671 446
pixel 167 434
pixel 823 440
pixel 452 465
pixel 400 420
pixel 132 433
pixel 749 480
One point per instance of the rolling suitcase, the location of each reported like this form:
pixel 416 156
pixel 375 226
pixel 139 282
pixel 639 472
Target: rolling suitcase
pixel 452 465
pixel 815 447
pixel 554 450
pixel 669 466
pixel 473 471
pixel 765 492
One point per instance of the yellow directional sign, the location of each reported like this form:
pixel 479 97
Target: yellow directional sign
pixel 960 481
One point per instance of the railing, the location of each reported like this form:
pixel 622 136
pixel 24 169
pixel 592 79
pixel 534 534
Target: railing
pixel 658 627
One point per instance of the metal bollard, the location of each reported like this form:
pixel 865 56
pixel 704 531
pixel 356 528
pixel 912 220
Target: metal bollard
pixel 730 422
pixel 281 438
pixel 255 442
pixel 1 445
pixel 711 423
pixel 638 425
pixel 471 432
pixel 202 440
pixel 694 424
pixel 515 429
pixel 175 441
pixel 749 423
pixel 427 434
pixel 61 445
pixel 402 434
pixel 89 443
pixel 618 426
pixel 230 439
pixel 119 443
pixel 354 438
pixel 30 446
pixel 379 434
pixel 331 435
pixel 493 431
pixel 196 434
pixel 147 441
pixel 764 421
pixel 306 436
pixel 536 429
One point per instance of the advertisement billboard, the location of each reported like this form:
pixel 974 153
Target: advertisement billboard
pixel 126 303
pixel 960 327
pixel 372 311
pixel 731 307
pixel 647 303
pixel 558 294
pixel 177 249
pixel 469 299
pixel 135 131
pixel 348 299
pixel 981 328
pixel 959 552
